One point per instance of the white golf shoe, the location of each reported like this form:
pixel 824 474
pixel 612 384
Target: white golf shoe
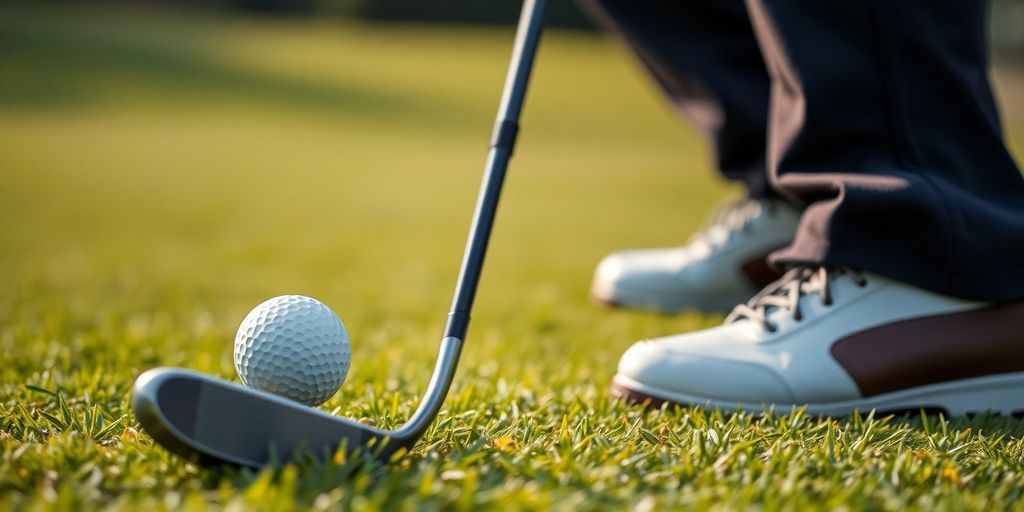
pixel 838 341
pixel 723 265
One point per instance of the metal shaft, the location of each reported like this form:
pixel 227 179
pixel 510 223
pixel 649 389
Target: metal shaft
pixel 503 140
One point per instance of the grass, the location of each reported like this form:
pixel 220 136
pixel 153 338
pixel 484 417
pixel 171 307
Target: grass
pixel 163 173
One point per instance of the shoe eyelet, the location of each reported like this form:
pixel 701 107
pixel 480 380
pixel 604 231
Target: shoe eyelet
pixel 771 328
pixel 827 303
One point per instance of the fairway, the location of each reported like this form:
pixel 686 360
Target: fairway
pixel 161 174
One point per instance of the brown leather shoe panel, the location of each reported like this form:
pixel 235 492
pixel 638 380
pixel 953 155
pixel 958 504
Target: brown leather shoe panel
pixel 636 397
pixel 759 271
pixel 930 350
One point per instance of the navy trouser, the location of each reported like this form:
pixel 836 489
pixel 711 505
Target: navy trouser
pixel 876 115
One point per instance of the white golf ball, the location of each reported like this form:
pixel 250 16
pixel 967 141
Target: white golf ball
pixel 295 347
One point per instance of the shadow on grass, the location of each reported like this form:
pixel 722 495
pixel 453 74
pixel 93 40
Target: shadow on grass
pixel 992 425
pixel 65 62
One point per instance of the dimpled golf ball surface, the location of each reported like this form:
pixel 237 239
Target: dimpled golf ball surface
pixel 295 347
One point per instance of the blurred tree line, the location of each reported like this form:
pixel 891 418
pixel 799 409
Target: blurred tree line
pixel 1007 16
pixel 563 13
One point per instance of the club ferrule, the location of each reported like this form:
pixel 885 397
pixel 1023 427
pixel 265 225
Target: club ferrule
pixel 504 134
pixel 457 325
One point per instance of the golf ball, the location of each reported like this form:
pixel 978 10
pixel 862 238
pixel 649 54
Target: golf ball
pixel 295 347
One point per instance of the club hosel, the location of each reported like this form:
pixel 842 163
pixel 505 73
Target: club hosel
pixel 504 134
pixel 457 325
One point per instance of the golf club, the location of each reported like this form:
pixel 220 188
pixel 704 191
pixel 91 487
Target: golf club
pixel 215 421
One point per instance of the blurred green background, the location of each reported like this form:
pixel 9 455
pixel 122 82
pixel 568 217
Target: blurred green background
pixel 153 150
pixel 166 166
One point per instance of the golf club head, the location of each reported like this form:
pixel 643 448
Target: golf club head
pixel 213 421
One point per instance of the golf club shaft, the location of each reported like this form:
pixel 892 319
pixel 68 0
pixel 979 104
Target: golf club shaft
pixel 503 140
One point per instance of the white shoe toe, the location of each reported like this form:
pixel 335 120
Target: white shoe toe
pixel 679 374
pixel 710 273
pixel 642 277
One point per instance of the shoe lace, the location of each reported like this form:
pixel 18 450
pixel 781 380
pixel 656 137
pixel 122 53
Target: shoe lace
pixel 730 218
pixel 785 294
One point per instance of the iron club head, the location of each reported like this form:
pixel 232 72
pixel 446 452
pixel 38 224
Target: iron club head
pixel 214 421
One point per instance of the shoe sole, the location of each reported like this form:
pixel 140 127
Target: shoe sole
pixel 996 394
pixel 648 304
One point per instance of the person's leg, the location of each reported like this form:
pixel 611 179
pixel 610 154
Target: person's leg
pixel 883 123
pixel 705 57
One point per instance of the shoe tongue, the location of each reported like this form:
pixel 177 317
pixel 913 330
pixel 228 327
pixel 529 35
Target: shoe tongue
pixel 779 296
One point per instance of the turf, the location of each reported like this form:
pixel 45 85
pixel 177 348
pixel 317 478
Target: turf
pixel 162 173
